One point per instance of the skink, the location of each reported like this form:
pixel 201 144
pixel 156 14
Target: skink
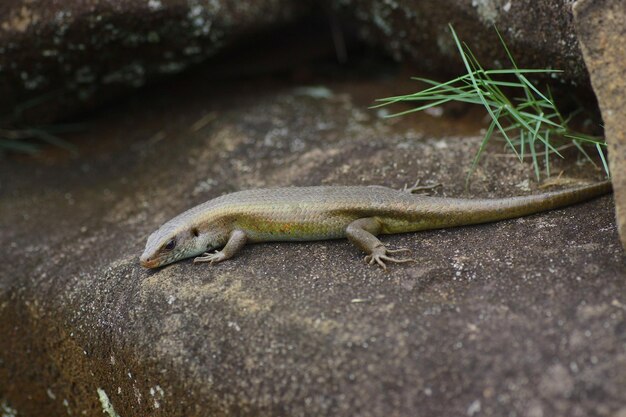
pixel 358 213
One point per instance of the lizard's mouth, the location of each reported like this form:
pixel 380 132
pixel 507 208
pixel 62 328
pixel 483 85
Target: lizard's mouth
pixel 149 263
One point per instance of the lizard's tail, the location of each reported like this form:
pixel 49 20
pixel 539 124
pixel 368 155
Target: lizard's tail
pixel 461 212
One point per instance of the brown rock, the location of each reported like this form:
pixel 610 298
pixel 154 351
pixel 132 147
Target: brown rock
pixel 63 56
pixel 540 33
pixel 475 326
pixel 556 382
pixel 602 35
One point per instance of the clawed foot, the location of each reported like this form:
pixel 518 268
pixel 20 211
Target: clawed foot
pixel 417 187
pixel 210 257
pixel 380 254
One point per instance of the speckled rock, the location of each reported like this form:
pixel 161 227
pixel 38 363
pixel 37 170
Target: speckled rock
pixel 63 56
pixel 524 317
pixel 540 33
pixel 58 57
pixel 602 34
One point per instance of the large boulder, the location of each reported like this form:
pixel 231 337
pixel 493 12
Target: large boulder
pixel 524 317
pixel 539 33
pixel 60 57
pixel 602 34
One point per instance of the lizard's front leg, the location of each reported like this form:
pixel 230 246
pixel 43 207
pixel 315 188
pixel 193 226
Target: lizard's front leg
pixel 236 241
pixel 362 233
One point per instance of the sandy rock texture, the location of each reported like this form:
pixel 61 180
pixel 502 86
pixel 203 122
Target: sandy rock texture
pixel 603 38
pixel 526 316
pixel 539 33
pixel 60 57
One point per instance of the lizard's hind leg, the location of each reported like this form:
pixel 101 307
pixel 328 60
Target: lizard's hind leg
pixel 362 233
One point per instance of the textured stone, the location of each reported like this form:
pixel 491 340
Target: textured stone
pixel 58 57
pixel 486 322
pixel 602 34
pixel 540 33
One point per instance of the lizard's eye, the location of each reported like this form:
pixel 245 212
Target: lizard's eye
pixel 170 245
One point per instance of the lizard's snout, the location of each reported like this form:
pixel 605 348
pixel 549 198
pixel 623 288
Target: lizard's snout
pixel 146 262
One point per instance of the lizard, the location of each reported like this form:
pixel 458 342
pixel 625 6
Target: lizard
pixel 358 213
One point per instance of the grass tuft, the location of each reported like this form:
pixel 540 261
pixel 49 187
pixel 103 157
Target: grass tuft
pixel 526 118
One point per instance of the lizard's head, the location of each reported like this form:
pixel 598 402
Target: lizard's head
pixel 170 244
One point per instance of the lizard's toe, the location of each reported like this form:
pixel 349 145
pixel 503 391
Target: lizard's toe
pixel 375 259
pixel 396 260
pixel 210 258
pixel 379 257
pixel 398 250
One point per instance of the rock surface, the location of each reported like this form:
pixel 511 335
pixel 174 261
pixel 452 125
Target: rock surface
pixel 602 34
pixel 525 316
pixel 57 57
pixel 540 33
pixel 60 57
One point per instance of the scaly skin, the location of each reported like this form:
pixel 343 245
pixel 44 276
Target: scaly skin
pixel 331 212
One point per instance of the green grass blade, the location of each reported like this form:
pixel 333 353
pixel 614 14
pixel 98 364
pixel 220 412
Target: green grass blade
pixel 533 153
pixel 426 91
pixel 604 163
pixel 478 91
pixel 582 150
pixel 416 109
pixel 506 48
pixel 504 83
pixel 532 87
pixel 531 117
pixel 586 138
pixel 546 150
pixel 481 149
pixel 516 71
